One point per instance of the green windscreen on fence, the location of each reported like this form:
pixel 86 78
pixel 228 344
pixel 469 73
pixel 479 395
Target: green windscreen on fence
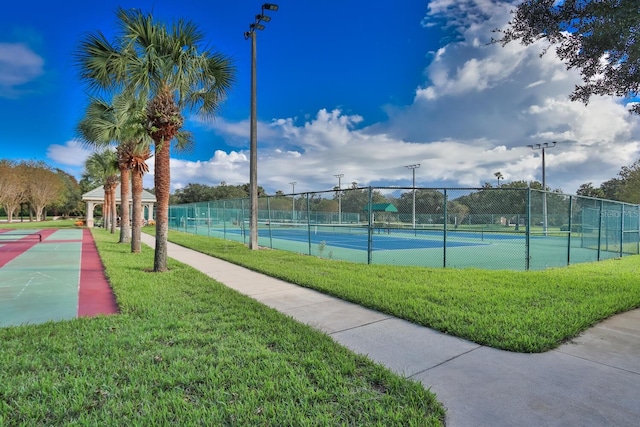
pixel 489 228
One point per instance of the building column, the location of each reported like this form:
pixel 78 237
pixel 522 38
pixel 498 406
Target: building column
pixel 89 216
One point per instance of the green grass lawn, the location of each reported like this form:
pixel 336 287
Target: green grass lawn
pixel 518 311
pixel 187 350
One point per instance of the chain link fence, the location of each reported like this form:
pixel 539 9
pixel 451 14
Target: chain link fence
pixel 490 228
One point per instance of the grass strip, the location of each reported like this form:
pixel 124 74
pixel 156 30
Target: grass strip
pixel 187 350
pixel 528 312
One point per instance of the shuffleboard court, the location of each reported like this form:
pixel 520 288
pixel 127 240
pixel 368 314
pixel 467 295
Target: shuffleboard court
pixel 51 275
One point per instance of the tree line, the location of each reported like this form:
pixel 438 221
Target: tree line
pixel 625 187
pixel 34 189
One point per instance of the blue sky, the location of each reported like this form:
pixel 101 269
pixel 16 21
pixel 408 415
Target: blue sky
pixel 360 88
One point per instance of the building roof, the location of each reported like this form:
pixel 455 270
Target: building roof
pixel 97 195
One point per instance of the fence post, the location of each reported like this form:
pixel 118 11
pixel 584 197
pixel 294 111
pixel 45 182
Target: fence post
pixel 570 227
pixel 268 222
pixel 196 216
pixel 638 234
pixel 600 228
pixel 208 219
pixel 244 232
pixel 370 227
pixel 444 231
pixel 527 239
pixel 621 228
pixel 308 224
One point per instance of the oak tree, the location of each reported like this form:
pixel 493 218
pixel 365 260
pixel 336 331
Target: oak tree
pixel 599 38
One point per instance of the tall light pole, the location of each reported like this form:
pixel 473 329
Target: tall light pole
pixel 293 202
pixel 253 144
pixel 339 176
pixel 542 147
pixel 413 169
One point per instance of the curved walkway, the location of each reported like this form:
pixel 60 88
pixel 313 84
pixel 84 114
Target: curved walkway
pixel 592 381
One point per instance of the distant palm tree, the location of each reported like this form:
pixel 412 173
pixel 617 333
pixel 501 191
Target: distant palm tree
pixel 168 65
pixel 120 122
pixel 103 167
pixel 499 176
pixel 137 163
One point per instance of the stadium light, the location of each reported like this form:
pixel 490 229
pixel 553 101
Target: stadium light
pixel 339 176
pixel 253 144
pixel 413 169
pixel 293 202
pixel 543 147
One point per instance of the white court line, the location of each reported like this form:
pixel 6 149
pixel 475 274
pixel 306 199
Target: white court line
pixel 23 288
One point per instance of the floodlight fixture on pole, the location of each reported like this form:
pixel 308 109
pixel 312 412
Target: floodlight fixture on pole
pixel 293 202
pixel 543 147
pixel 339 176
pixel 413 169
pixel 253 138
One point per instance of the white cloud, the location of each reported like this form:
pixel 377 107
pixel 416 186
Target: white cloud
pixel 479 107
pixel 236 133
pixel 18 65
pixel 229 167
pixel 71 153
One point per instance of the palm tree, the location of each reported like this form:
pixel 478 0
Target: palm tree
pixel 168 65
pixel 137 163
pixel 121 122
pixel 103 167
pixel 498 176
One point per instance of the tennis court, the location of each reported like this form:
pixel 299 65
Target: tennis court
pixel 357 236
pixel 51 275
pixel 489 228
pixel 461 248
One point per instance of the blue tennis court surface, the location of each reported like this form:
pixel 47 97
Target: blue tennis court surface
pixel 382 240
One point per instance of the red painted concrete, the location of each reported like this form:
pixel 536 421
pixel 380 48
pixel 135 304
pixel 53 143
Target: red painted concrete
pixel 10 250
pixel 95 295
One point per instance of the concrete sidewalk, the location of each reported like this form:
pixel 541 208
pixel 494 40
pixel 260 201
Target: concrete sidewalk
pixel 592 381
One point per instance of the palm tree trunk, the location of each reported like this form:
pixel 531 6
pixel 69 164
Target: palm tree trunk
pixel 105 208
pixel 114 209
pixel 136 212
pixel 162 180
pixel 125 230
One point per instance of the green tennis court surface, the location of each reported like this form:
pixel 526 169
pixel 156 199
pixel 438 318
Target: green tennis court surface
pixel 457 248
pixel 40 275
